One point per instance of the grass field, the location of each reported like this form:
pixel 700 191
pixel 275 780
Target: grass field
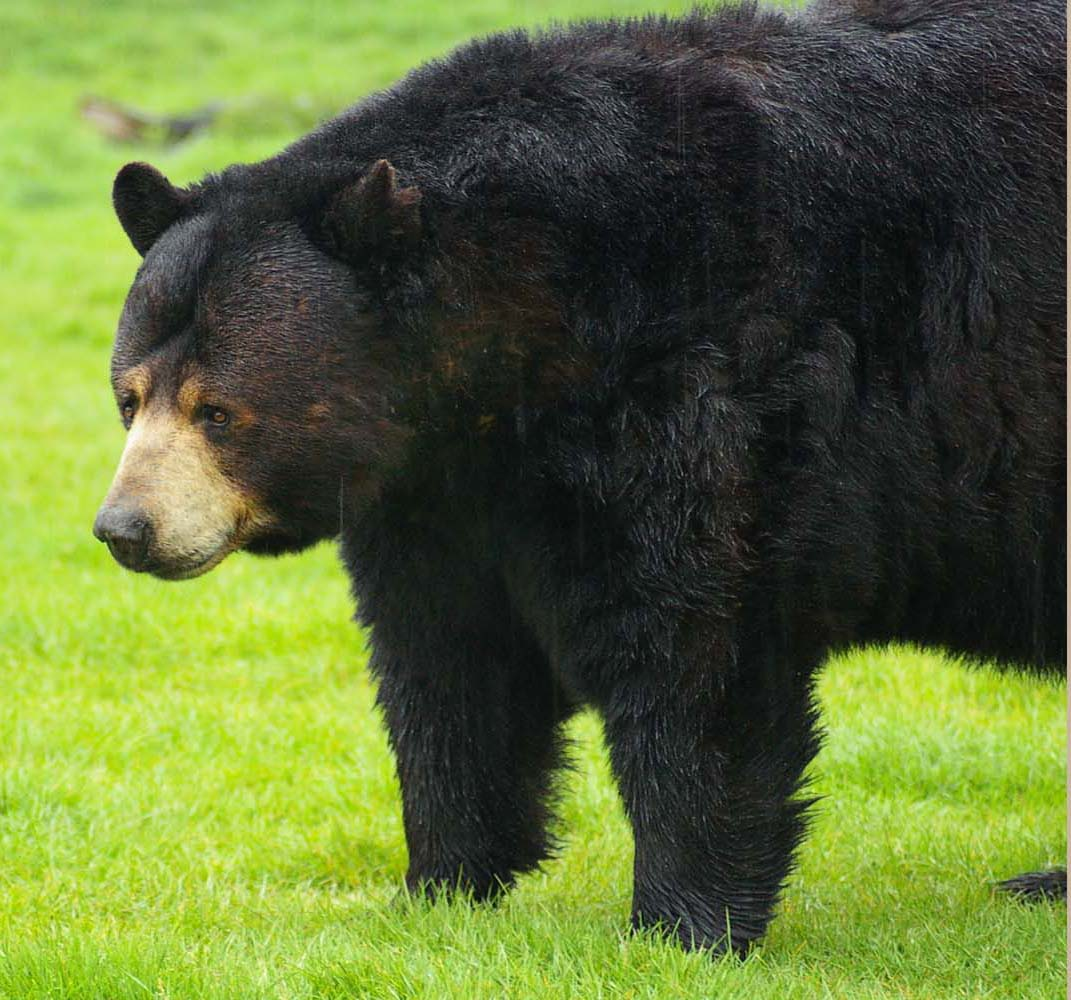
pixel 196 798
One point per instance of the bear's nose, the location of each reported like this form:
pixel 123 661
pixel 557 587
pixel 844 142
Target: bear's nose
pixel 127 531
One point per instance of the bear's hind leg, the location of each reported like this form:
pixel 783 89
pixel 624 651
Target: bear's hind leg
pixel 708 774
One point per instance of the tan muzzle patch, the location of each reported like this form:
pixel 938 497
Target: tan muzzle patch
pixel 169 474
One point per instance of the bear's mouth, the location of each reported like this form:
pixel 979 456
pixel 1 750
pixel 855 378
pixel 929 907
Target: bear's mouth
pixel 181 569
pixel 188 570
pixel 271 544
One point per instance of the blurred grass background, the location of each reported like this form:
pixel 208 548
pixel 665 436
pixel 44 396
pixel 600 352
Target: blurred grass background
pixel 196 798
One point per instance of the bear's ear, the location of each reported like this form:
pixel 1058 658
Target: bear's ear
pixel 147 203
pixel 373 217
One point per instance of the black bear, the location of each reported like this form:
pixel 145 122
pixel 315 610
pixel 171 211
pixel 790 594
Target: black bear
pixel 636 365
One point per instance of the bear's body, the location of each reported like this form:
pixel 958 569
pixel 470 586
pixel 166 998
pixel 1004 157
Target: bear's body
pixel 677 354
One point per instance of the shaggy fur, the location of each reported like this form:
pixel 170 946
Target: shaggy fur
pixel 662 358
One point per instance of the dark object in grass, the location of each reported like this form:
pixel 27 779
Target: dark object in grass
pixel 1034 886
pixel 636 365
pixel 122 123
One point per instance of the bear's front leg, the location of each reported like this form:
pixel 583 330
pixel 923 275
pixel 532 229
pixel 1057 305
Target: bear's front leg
pixel 708 767
pixel 472 714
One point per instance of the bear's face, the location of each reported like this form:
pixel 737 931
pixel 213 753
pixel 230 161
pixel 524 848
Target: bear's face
pixel 248 370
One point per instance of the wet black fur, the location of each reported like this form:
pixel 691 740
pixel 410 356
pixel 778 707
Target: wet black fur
pixel 725 342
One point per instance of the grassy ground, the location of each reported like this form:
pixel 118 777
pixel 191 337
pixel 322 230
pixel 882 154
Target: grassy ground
pixel 196 799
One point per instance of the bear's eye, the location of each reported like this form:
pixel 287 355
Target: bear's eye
pixel 216 416
pixel 127 409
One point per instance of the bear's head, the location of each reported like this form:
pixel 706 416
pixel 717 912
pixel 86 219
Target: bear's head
pixel 251 368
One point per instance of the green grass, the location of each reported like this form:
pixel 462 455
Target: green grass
pixel 196 798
